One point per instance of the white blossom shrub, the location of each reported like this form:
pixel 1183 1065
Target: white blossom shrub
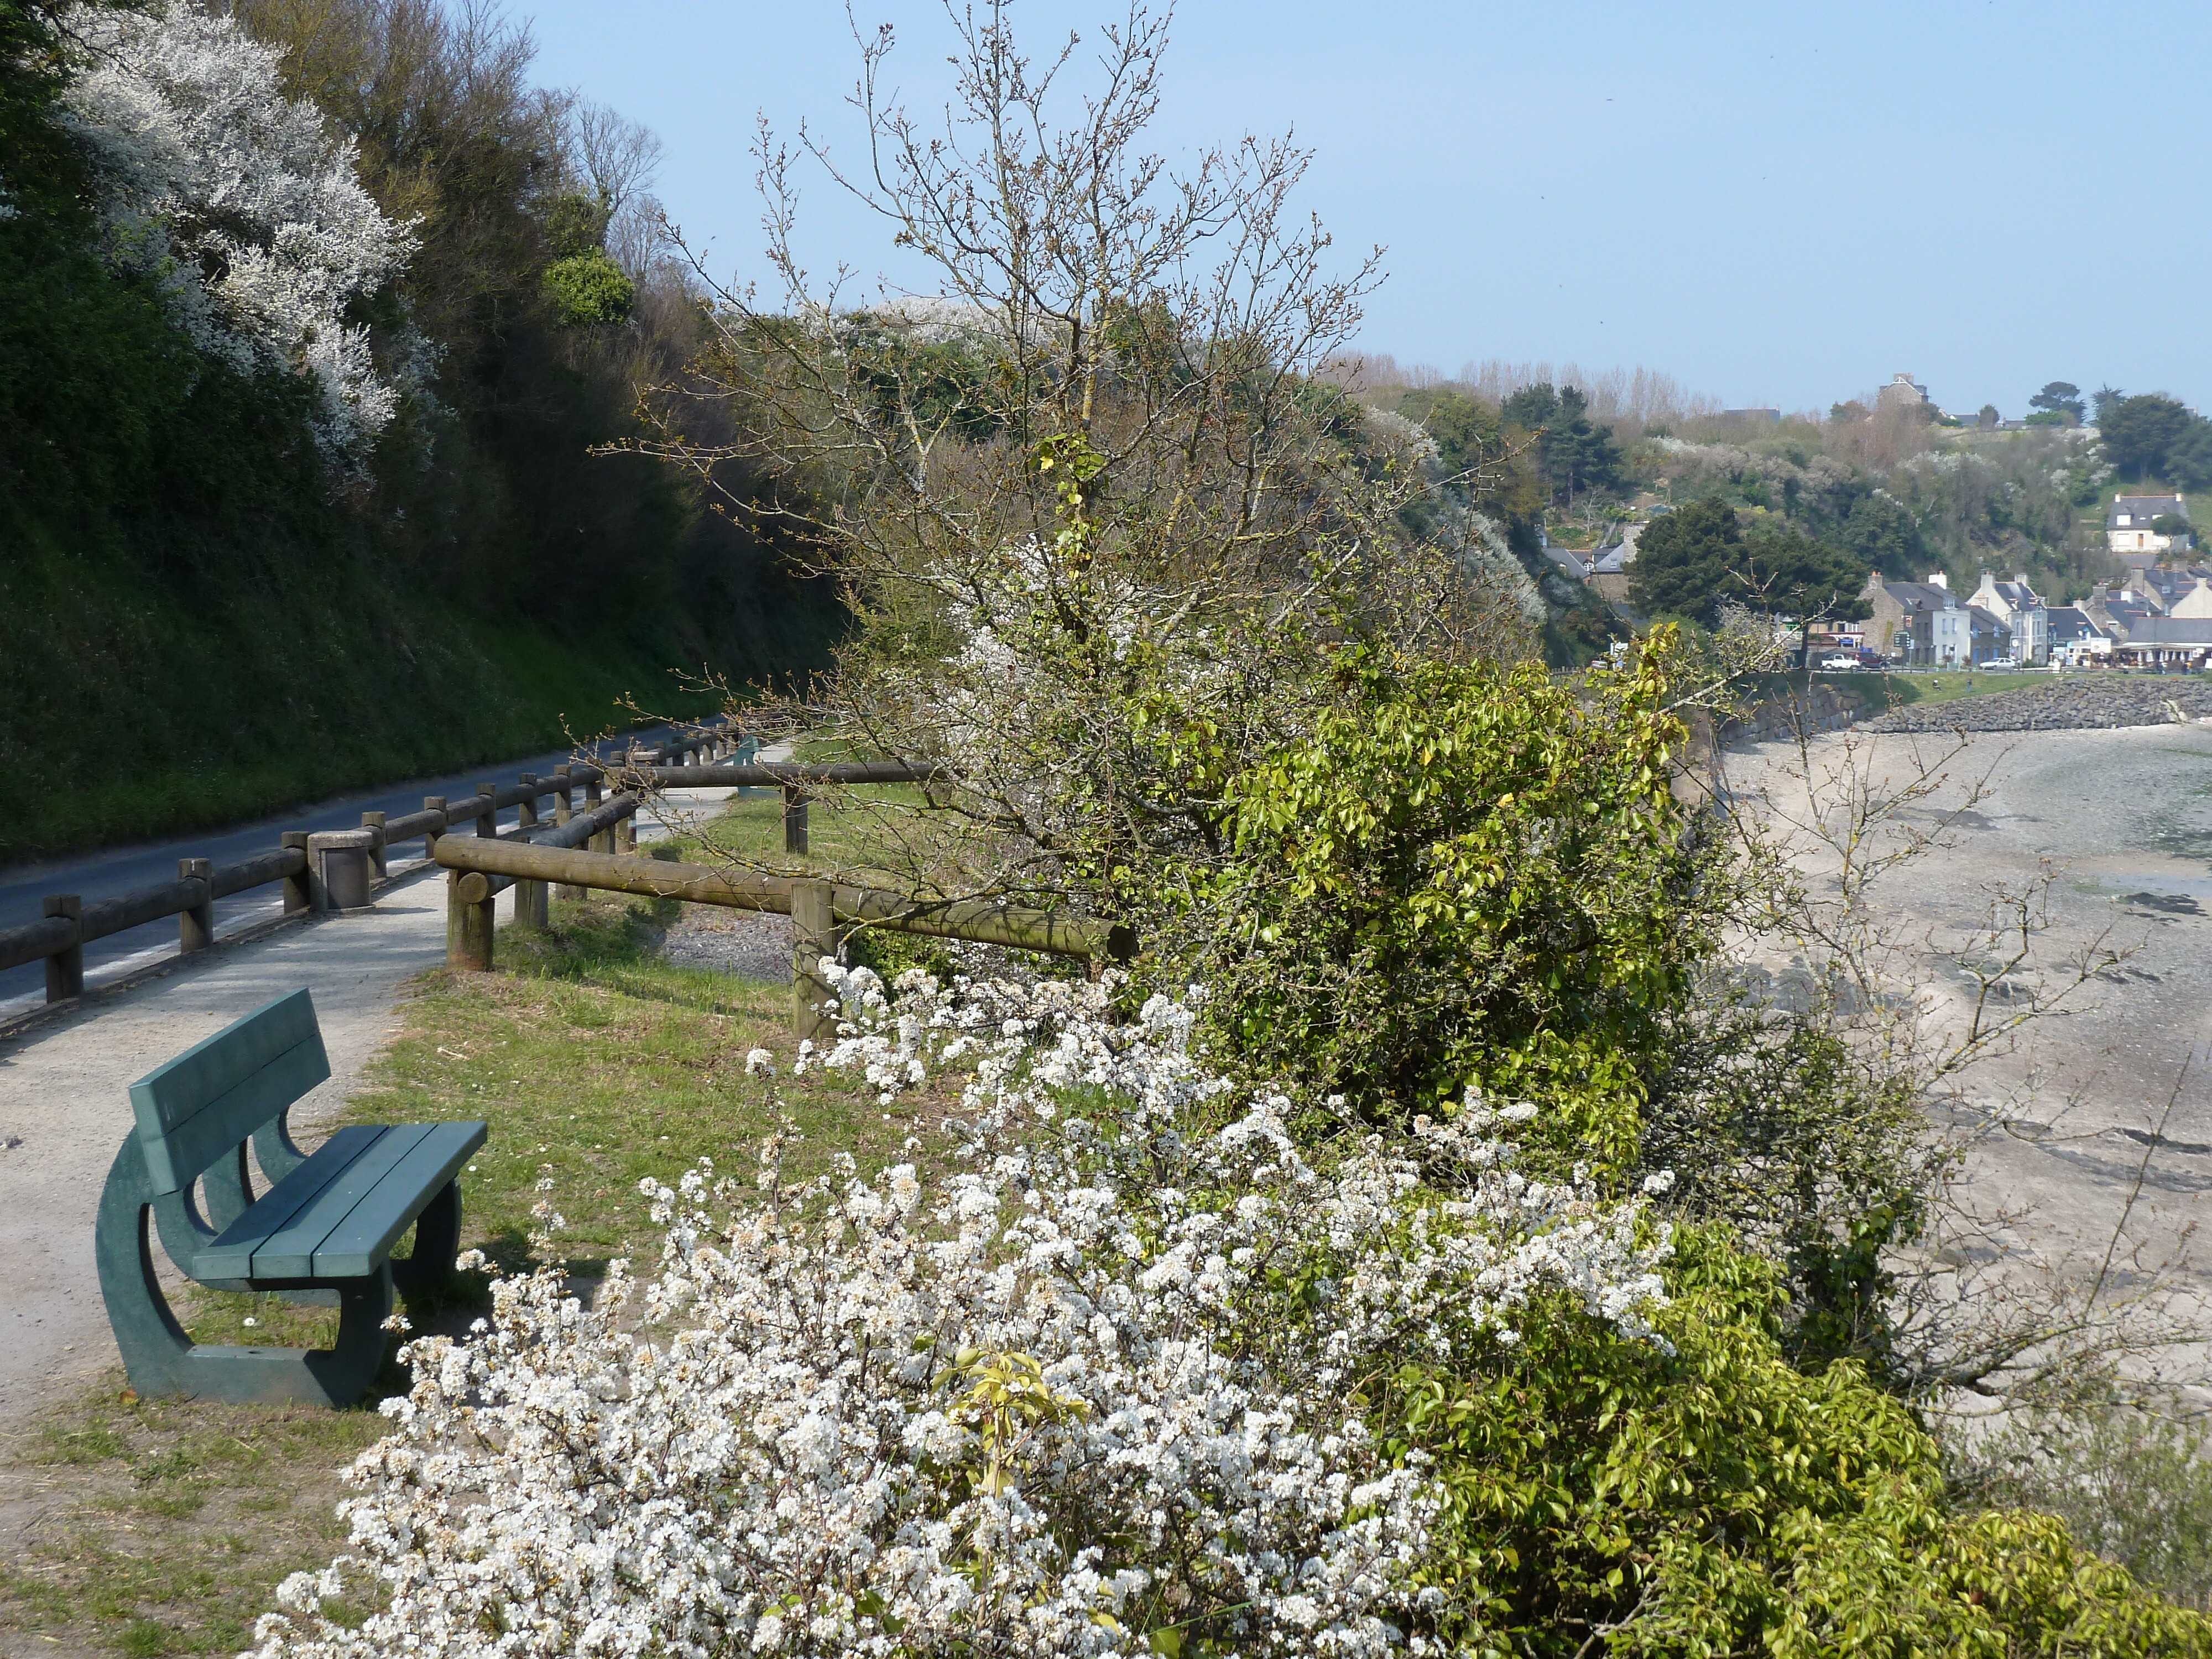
pixel 239 203
pixel 1099 1393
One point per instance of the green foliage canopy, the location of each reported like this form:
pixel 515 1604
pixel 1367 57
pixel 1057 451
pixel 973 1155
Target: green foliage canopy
pixel 589 290
pixel 1469 875
pixel 2141 434
pixel 1576 453
pixel 2061 398
pixel 1690 561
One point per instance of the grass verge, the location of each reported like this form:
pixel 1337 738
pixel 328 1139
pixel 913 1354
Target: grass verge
pixel 149 1527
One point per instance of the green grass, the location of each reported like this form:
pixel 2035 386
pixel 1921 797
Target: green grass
pixel 1949 684
pixel 504 691
pixel 597 1065
pixel 133 705
pixel 1902 687
pixel 167 1524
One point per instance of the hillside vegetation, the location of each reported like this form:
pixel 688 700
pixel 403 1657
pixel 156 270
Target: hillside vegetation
pixel 1820 499
pixel 311 325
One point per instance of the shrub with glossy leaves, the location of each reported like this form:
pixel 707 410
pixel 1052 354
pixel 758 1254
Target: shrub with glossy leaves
pixel 1467 874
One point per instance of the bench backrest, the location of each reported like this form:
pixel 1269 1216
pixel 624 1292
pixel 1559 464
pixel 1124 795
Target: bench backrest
pixel 218 1093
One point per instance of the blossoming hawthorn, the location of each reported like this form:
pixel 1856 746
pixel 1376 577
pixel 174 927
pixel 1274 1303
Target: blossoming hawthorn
pixel 239 202
pixel 1099 1394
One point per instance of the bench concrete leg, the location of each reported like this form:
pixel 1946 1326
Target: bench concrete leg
pixel 162 1360
pixel 437 1241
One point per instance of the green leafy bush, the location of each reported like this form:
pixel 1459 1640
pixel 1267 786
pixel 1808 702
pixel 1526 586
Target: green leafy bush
pixel 1612 1495
pixel 589 289
pixel 2130 1483
pixel 1469 874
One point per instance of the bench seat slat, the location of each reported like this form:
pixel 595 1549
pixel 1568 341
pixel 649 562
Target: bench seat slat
pixel 289 1252
pixel 358 1244
pixel 231 1256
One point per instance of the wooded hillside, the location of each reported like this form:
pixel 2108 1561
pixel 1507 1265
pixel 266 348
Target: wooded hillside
pixel 311 325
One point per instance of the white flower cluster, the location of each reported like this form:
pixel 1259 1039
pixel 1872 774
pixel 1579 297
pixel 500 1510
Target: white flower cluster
pixel 1066 1405
pixel 1059 1033
pixel 237 200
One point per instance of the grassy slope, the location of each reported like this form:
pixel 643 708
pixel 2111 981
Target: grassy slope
pixel 130 709
pixel 1882 692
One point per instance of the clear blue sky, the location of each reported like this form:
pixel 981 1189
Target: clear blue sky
pixel 1776 204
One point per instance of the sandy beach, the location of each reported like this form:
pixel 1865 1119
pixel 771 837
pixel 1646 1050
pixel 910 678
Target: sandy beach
pixel 2103 1108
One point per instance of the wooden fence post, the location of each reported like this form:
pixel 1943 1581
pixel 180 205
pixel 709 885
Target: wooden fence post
pixel 196 927
pixel 378 863
pixel 488 811
pixel 468 921
pixel 532 908
pixel 432 804
pixel 66 969
pixel 794 818
pixel 563 810
pixel 299 890
pixel 813 936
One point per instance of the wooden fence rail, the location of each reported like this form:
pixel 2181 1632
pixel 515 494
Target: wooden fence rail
pixel 793 778
pixel 482 870
pixel 70 923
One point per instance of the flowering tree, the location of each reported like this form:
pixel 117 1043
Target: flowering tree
pixel 239 203
pixel 1101 1394
pixel 1102 523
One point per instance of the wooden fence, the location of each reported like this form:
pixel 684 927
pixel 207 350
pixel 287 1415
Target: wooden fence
pixel 821 912
pixel 594 848
pixel 329 869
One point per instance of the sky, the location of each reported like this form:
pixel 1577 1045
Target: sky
pixel 1780 204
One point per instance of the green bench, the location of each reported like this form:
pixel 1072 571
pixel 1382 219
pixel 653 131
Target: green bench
pixel 324 1232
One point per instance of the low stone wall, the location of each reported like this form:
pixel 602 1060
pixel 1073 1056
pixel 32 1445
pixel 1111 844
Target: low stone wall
pixel 2071 705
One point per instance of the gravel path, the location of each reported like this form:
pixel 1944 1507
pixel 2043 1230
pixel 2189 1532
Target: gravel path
pixel 748 944
pixel 2069 705
pixel 64 1105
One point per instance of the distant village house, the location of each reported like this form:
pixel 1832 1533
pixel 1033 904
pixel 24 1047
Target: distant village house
pixel 2129 528
pixel 1925 625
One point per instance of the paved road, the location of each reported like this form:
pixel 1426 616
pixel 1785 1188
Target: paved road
pixel 120 870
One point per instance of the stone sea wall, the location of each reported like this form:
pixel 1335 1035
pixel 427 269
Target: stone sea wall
pixel 2069 705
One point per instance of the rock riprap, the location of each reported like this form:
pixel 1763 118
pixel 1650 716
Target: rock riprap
pixel 2066 705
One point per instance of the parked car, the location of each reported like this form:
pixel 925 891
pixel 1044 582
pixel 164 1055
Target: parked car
pixel 2001 662
pixel 1839 665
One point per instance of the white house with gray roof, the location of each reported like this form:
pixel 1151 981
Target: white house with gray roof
pixel 2128 532
pixel 2022 610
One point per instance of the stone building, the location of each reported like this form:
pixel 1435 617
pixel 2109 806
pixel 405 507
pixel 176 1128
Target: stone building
pixel 2021 609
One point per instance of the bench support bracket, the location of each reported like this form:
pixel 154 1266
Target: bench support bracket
pixel 162 1360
